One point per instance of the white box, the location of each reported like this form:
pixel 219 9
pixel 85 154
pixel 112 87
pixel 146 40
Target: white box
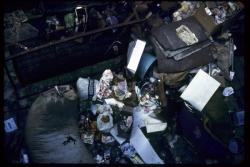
pixel 135 51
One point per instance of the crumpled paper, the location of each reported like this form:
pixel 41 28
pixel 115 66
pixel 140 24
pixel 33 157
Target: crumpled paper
pixel 228 91
pixel 121 90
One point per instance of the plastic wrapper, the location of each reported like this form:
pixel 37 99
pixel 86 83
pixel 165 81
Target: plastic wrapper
pixel 103 88
pixel 113 102
pixel 128 150
pixel 99 109
pixel 149 102
pixel 124 126
pixel 88 138
pixel 228 91
pixel 107 139
pixel 121 90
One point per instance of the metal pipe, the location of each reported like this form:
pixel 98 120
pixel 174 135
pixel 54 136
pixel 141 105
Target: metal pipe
pixel 74 37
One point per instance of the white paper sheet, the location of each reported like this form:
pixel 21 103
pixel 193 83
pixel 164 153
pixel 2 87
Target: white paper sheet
pixel 135 56
pixel 143 147
pixel 200 90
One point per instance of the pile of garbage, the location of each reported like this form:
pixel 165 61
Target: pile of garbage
pixel 175 100
pixel 107 116
pixel 187 67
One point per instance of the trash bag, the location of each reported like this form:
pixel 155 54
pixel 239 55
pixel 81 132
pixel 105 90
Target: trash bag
pixel 51 131
pixel 193 130
pixel 86 88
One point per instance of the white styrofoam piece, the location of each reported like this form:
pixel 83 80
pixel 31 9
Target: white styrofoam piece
pixel 200 90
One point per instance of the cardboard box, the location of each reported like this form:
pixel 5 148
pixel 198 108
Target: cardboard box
pixel 206 21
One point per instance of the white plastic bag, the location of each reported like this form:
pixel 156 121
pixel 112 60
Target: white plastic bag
pixel 85 87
